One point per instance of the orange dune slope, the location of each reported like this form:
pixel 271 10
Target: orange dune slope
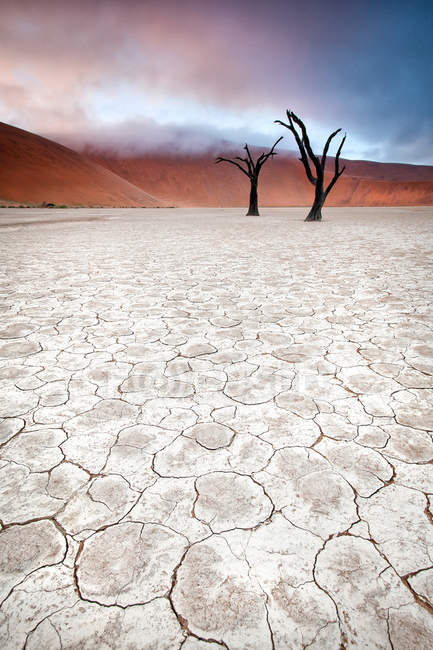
pixel 34 170
pixel 195 180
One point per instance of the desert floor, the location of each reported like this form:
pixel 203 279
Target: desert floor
pixel 217 430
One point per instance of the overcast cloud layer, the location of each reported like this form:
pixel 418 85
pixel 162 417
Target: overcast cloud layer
pixel 183 75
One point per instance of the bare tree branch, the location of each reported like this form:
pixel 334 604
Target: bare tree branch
pixel 264 156
pixel 250 161
pixel 326 147
pixel 220 159
pixel 271 152
pixel 306 142
pixel 304 157
pixel 333 181
pixel 337 171
pixel 247 162
pixel 337 156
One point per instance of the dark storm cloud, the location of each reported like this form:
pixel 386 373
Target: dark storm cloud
pixel 364 66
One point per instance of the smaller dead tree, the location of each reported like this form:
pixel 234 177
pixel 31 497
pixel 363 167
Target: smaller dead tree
pixel 252 170
pixel 307 155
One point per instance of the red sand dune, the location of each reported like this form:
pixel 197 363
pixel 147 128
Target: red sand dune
pixel 34 170
pixel 195 180
pixel 388 171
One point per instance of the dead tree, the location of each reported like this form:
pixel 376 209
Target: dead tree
pixel 307 155
pixel 252 170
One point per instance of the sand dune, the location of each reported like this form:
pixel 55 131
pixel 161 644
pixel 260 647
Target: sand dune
pixel 388 171
pixel 34 170
pixel 195 180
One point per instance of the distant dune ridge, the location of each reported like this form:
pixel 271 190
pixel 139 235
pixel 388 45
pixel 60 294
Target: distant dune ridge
pixel 35 170
pixel 194 180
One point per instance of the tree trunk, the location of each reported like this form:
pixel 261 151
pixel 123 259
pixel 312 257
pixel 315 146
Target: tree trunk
pixel 315 213
pixel 253 210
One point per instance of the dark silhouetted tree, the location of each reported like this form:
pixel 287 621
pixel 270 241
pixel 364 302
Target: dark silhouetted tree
pixel 252 170
pixel 307 155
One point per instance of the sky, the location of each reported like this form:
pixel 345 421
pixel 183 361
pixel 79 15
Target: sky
pixel 136 75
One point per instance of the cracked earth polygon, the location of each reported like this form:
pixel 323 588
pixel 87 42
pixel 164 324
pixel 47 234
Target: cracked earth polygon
pixel 216 431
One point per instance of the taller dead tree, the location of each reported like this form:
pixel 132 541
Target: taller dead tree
pixel 307 155
pixel 252 170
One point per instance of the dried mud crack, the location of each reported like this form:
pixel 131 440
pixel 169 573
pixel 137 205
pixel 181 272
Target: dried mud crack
pixel 217 432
